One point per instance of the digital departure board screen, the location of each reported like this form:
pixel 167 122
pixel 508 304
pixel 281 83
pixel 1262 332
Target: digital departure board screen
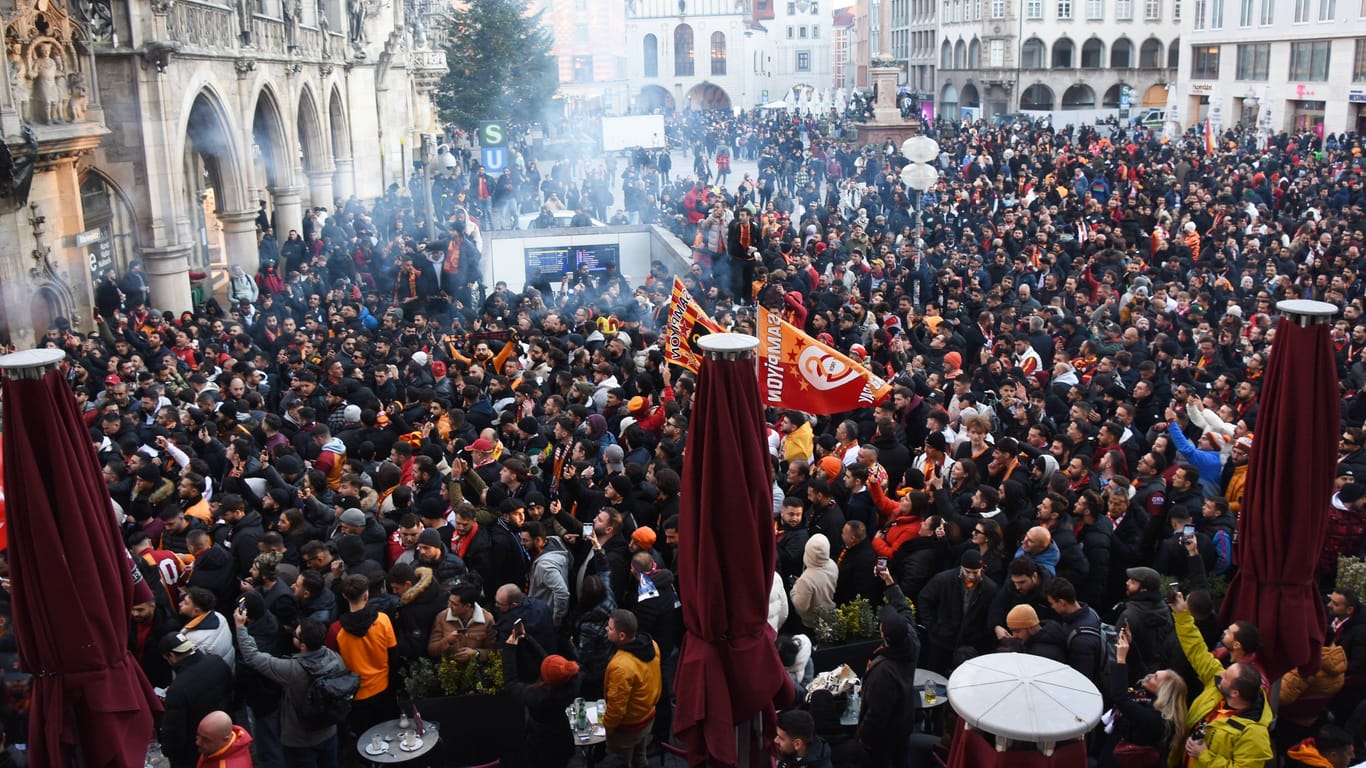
pixel 545 265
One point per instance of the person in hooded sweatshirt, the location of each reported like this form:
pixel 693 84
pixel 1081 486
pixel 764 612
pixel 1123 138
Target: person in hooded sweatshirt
pixel 887 712
pixel 631 686
pixel 815 588
pixel 364 643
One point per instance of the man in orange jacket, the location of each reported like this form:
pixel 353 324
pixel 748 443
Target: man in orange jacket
pixel 222 744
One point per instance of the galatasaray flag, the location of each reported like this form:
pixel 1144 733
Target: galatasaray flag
pixel 686 322
pixel 796 371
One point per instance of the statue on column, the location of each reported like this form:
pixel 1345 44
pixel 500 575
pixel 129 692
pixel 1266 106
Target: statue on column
pixel 290 10
pixel 323 30
pixel 79 97
pixel 358 9
pixel 18 76
pixel 47 91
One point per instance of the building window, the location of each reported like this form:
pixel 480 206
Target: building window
pixel 1063 51
pixel 1124 10
pixel 790 33
pixel 718 53
pixel 1176 10
pixel 1268 12
pixel 1359 61
pixel 1095 9
pixel 998 9
pixel 683 59
pixel 791 9
pixel 976 10
pixel 1205 62
pixel 1034 9
pixel 1216 14
pixel 815 33
pixel 1031 55
pixel 1245 13
pixel 1150 55
pixel 1309 61
pixel 1302 10
pixel 1064 9
pixel 996 52
pixel 583 69
pixel 651 56
pixel 801 32
pixel 1199 13
pixel 581 34
pixel 1254 61
pixel 803 61
pixel 1152 10
pixel 1122 54
pixel 1327 9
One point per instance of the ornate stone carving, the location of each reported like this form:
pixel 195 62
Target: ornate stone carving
pixel 326 70
pixel 16 171
pixel 244 67
pixel 356 11
pixel 42 42
pixel 157 53
pixel 162 7
pixel 98 18
pixel 293 68
pixel 200 26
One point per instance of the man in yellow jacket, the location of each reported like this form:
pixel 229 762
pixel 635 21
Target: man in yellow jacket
pixel 1231 707
pixel 631 685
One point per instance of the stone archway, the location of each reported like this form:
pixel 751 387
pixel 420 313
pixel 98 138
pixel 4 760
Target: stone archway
pixel 216 199
pixel 272 154
pixel 315 158
pixel 708 96
pixel 652 99
pixel 344 180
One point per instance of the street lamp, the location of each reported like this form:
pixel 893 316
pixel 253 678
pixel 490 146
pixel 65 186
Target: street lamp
pixel 919 175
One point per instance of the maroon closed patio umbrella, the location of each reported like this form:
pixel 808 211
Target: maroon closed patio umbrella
pixel 1289 487
pixel 72 589
pixel 729 675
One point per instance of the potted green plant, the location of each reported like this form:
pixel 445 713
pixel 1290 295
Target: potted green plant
pixel 847 634
pixel 465 697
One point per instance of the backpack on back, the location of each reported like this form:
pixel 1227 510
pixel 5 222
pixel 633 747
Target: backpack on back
pixel 329 699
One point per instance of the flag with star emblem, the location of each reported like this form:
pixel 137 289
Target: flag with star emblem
pixel 685 323
pixel 796 371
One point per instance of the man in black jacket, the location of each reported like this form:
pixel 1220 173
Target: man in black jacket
pixel 245 530
pixel 203 683
pixel 887 715
pixel 421 598
pixel 953 606
pixel 1077 630
pixel 508 559
pixel 856 565
pixel 792 536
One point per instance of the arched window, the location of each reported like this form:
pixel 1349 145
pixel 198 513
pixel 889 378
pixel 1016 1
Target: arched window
pixel 1150 54
pixel 1174 54
pixel 1064 52
pixel 1079 97
pixel 1032 54
pixel 1092 54
pixel 683 59
pixel 946 56
pixel 1111 99
pixel 974 54
pixel 1122 54
pixel 960 55
pixel 651 56
pixel 1037 98
pixel 718 53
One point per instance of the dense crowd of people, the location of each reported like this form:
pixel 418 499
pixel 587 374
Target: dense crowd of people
pixel 365 457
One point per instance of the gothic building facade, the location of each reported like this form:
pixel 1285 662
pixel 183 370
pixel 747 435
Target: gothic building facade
pixel 153 131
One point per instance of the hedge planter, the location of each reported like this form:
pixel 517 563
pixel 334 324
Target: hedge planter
pixel 475 729
pixel 856 654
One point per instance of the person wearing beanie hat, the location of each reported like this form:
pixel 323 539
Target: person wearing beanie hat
pixel 1022 618
pixel 955 605
pixel 643 539
pixel 889 692
pixel 446 566
pixel 547 741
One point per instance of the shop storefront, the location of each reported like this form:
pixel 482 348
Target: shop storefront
pixel 1356 109
pixel 1306 115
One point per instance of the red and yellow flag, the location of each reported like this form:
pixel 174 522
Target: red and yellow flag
pixel 1209 137
pixel 684 325
pixel 796 371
